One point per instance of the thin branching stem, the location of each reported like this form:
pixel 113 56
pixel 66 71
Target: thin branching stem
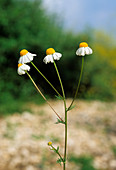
pixel 43 96
pixel 77 89
pixel 57 152
pixel 45 79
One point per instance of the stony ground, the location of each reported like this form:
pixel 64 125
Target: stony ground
pixel 91 132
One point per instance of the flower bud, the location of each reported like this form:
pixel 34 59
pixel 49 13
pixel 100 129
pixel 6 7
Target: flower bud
pixel 49 143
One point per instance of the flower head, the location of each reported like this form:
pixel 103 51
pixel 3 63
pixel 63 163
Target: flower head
pixel 83 49
pixel 22 68
pixel 51 55
pixel 25 56
pixel 49 143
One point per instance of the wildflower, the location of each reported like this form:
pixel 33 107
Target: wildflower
pixel 49 143
pixel 83 49
pixel 22 68
pixel 51 56
pixel 25 56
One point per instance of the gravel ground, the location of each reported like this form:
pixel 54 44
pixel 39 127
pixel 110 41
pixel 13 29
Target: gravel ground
pixel 91 132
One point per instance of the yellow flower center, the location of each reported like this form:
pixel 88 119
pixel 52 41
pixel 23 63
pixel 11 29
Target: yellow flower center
pixel 23 52
pixel 20 64
pixel 83 44
pixel 49 143
pixel 50 51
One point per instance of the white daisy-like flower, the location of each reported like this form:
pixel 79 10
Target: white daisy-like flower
pixel 25 56
pixel 83 49
pixel 22 68
pixel 51 56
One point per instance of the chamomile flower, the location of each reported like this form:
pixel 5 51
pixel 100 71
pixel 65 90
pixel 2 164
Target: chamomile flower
pixel 22 68
pixel 25 56
pixel 83 49
pixel 51 55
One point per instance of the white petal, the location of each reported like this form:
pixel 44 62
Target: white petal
pixel 51 58
pixel 57 56
pixel 25 67
pixel 24 59
pixel 48 59
pixel 21 60
pixel 80 51
pixel 77 52
pixel 32 54
pixel 88 50
pixel 45 60
pixel 27 58
pixel 21 70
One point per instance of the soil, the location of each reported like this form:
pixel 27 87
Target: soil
pixel 91 132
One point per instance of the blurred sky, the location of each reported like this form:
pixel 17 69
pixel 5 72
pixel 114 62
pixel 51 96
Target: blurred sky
pixel 79 14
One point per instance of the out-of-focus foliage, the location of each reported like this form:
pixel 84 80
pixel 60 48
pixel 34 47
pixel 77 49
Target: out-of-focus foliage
pixel 85 162
pixel 100 69
pixel 23 24
pixel 26 24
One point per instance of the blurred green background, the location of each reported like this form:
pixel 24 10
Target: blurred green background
pixel 26 24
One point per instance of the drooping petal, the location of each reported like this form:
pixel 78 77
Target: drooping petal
pixel 57 56
pixel 21 70
pixel 51 57
pixel 80 51
pixel 20 60
pixel 88 50
pixel 45 60
pixel 32 54
pixel 27 58
pixel 48 59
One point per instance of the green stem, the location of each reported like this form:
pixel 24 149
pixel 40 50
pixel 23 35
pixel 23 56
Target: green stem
pixel 65 149
pixel 60 81
pixel 77 85
pixel 43 95
pixel 46 79
pixel 64 99
pixel 57 152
